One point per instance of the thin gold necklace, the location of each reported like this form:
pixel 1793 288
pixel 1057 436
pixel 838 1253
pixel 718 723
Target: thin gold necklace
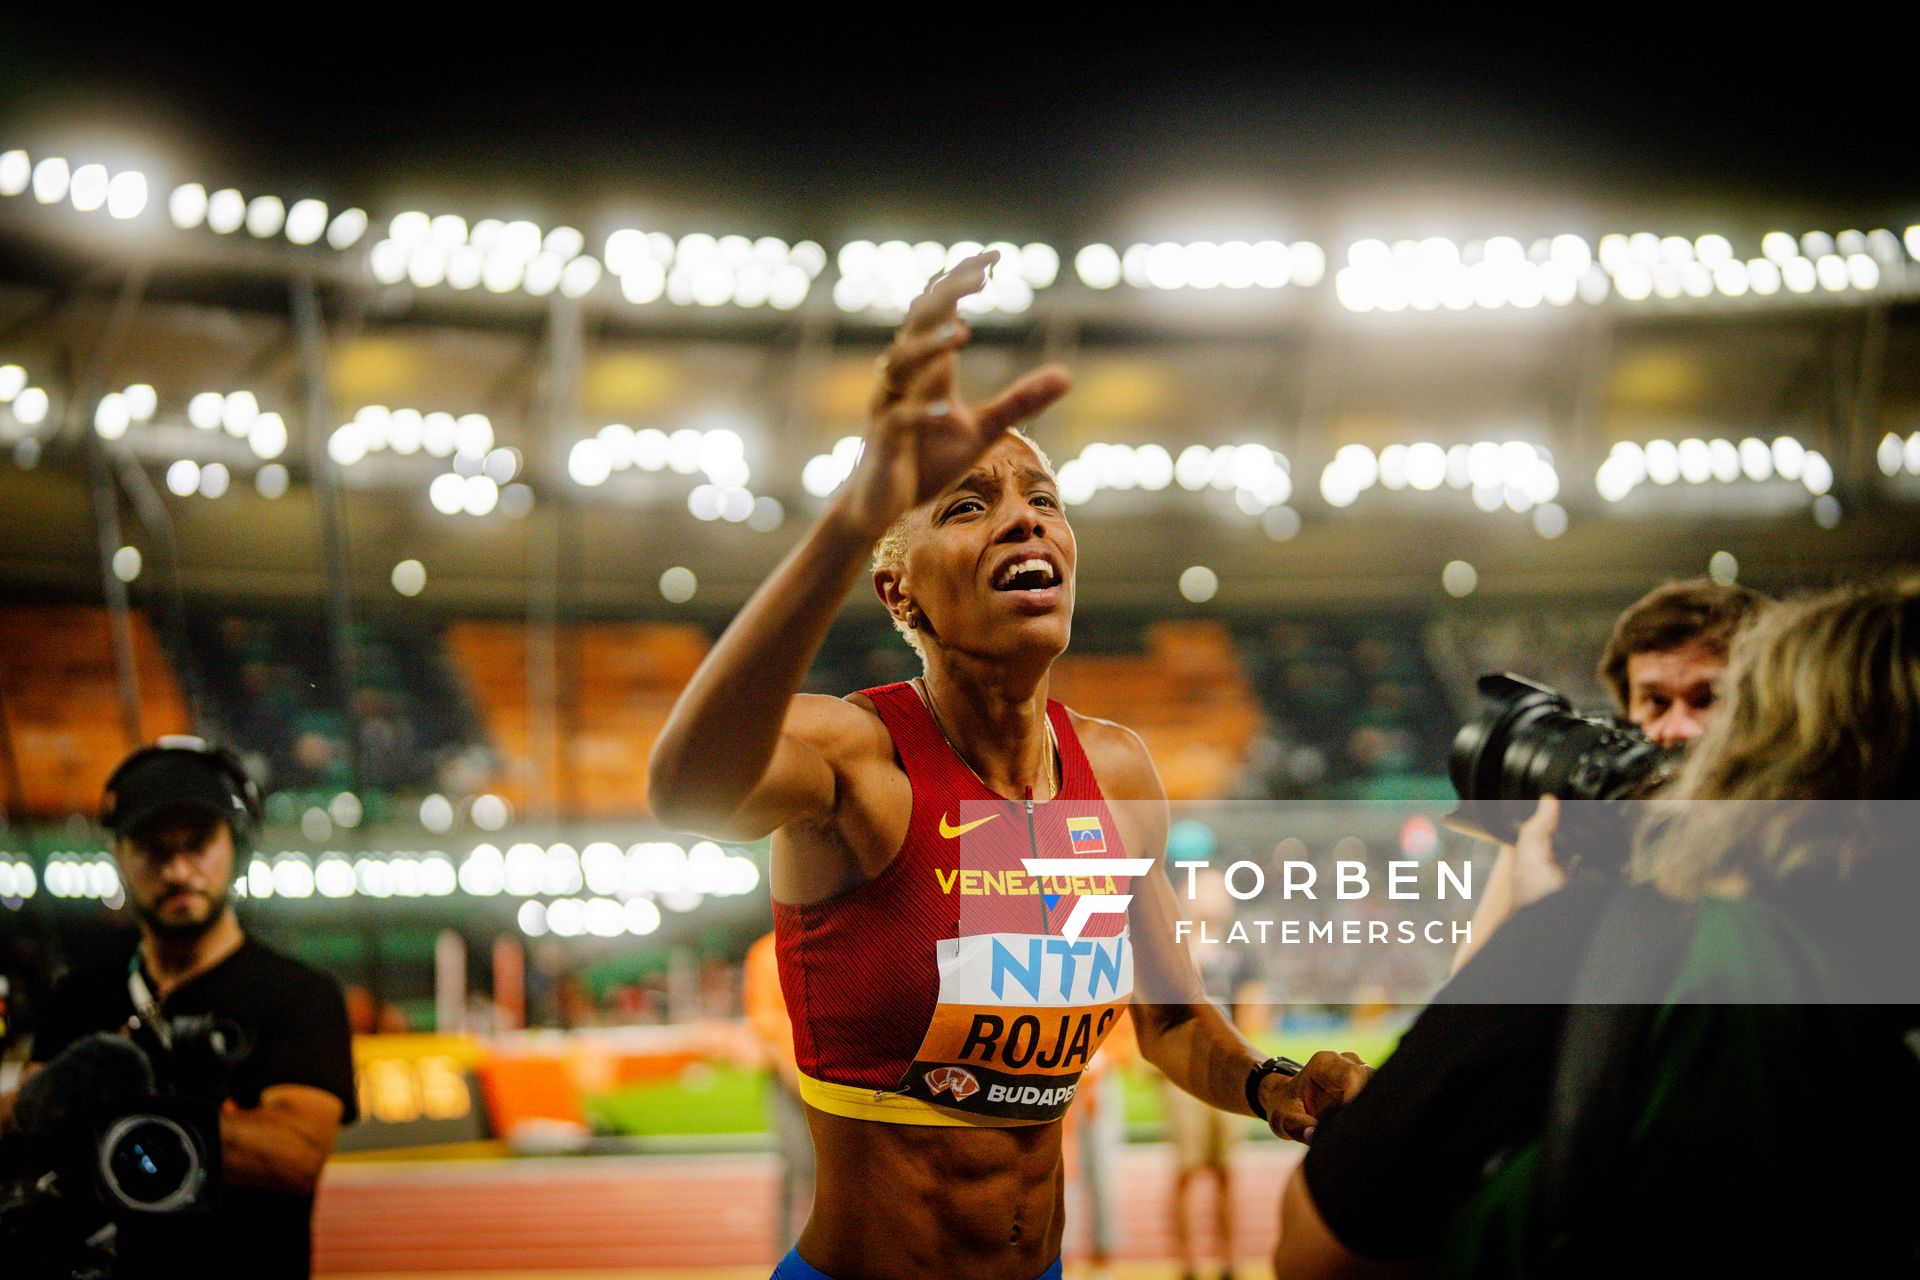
pixel 1053 744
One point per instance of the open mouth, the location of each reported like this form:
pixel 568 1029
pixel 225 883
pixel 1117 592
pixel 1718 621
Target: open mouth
pixel 1031 574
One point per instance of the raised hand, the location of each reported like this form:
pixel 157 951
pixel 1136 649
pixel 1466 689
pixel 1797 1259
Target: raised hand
pixel 920 436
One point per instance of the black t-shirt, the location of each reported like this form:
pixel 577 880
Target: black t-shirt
pixel 1468 1080
pixel 295 1021
pixel 1463 1101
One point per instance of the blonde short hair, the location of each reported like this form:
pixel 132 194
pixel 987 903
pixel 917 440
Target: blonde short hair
pixel 891 551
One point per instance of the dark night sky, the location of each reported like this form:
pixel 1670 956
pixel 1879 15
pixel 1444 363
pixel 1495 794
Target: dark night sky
pixel 1057 135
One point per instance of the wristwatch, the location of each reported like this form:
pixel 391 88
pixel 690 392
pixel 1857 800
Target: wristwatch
pixel 1271 1067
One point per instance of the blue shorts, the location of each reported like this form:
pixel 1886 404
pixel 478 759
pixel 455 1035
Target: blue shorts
pixel 795 1267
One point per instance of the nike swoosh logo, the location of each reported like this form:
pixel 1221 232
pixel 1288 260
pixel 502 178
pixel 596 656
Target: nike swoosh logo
pixel 950 832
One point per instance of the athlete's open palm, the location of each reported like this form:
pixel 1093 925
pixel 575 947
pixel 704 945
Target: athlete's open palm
pixel 921 436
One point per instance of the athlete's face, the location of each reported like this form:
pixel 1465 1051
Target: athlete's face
pixel 177 870
pixel 990 562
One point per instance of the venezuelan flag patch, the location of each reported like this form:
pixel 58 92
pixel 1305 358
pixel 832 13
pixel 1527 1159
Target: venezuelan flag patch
pixel 1086 835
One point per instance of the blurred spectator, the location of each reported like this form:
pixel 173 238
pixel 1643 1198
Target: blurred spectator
pixel 1095 1135
pixel 793 1143
pixel 1204 1138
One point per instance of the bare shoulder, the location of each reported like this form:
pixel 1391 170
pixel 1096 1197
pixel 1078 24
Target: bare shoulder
pixel 842 729
pixel 1119 758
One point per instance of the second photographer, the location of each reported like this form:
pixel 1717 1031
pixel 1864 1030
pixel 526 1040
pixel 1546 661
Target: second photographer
pixel 181 812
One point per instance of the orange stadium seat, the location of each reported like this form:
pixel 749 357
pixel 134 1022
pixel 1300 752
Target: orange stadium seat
pixel 1186 697
pixel 62 703
pixel 617 682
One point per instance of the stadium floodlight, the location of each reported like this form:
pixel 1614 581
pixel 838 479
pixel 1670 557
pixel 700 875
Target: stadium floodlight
pixel 410 579
pixel 501 465
pixel 30 406
pixel 678 584
pixel 183 477
pixel 501 272
pixel 226 211
pixel 767 514
pixel 405 429
pixel 448 230
pixel 110 416
pixel 650 449
pixel 1098 266
pixel 564 243
pixel 1816 244
pixel 127 195
pixel 88 187
pixel 205 409
pixel 268 436
pixel 643 282
pixel 16 172
pixel 439 434
pixel 187 206
pixel 271 480
pixel 579 276
pixel 214 480
pixel 347 445
pixel 346 229
pixel 426 264
pixel 265 216
pixel 51 178
pixel 141 400
pixel 588 463
pixel 465 267
pixel 473 434
pixel 521 239
pixel 387 261
pixel 1039 265
pixel 306 221
pixel 448 493
pixel 543 274
pixel 409 228
pixel 238 411
pixel 13 380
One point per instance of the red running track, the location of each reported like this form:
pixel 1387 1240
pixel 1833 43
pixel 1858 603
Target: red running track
pixel 627 1213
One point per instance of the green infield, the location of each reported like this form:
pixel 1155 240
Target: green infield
pixel 725 1100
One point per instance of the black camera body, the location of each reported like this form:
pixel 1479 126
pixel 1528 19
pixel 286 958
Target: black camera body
pixel 123 1147
pixel 1533 743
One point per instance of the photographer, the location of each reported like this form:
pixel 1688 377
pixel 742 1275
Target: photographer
pixel 1707 1072
pixel 1662 667
pixel 179 812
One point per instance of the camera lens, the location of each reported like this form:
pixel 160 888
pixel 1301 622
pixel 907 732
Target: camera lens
pixel 149 1163
pixel 1534 744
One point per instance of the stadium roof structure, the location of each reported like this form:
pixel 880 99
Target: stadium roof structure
pixel 619 404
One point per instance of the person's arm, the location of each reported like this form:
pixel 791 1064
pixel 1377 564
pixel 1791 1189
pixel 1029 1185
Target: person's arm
pixel 1496 904
pixel 1310 1251
pixel 283 1143
pixel 1524 873
pixel 1183 1033
pixel 743 752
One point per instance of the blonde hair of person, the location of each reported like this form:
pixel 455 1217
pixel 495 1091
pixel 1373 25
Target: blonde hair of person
pixel 1822 705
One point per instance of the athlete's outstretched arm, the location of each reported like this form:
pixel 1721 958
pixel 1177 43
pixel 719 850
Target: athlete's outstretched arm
pixel 742 751
pixel 1182 1032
